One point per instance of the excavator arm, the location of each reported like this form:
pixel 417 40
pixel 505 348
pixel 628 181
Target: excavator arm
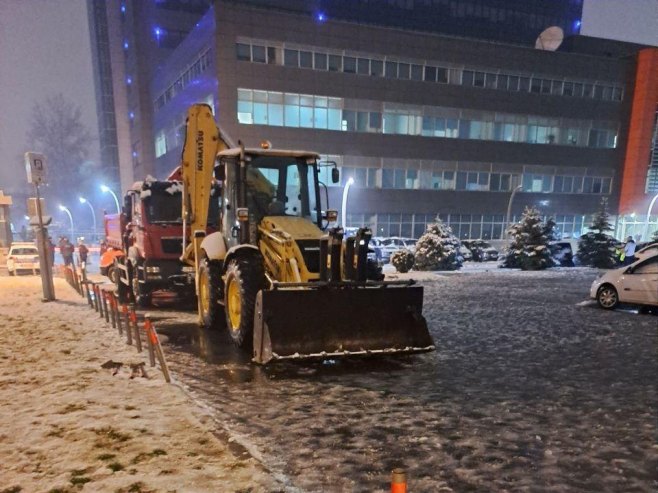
pixel 203 140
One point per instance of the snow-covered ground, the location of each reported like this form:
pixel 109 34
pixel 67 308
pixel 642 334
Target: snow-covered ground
pixel 68 425
pixel 528 390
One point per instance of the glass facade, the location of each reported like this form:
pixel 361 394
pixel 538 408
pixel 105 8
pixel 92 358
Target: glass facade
pixel 466 176
pixel 321 112
pixel 464 226
pixel 427 71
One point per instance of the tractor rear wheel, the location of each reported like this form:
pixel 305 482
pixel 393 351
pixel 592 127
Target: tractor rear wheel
pixel 244 278
pixel 210 294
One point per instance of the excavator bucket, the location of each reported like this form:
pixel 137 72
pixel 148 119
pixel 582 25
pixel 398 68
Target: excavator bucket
pixel 338 321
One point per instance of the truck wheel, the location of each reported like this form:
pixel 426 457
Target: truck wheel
pixel 210 294
pixel 123 291
pixel 244 278
pixel 142 298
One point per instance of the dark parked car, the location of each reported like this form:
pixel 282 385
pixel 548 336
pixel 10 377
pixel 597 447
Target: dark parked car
pixel 563 253
pixel 481 250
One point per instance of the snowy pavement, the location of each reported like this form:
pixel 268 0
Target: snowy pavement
pixel 527 391
pixel 67 424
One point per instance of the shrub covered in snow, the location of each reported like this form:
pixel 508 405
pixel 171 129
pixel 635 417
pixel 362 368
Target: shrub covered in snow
pixel 437 249
pixel 402 260
pixel 530 245
pixel 597 248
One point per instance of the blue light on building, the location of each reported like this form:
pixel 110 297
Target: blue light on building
pixel 131 115
pixel 125 45
pixel 320 17
pixel 123 8
pixel 129 80
pixel 158 32
pixel 577 25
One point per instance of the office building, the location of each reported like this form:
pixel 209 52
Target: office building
pixel 426 124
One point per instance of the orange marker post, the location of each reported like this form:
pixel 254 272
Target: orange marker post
pixel 398 481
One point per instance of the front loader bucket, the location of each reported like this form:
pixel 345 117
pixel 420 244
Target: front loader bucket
pixel 337 321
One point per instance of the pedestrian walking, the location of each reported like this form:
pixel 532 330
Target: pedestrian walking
pixel 51 250
pixel 83 251
pixel 66 249
pixel 629 251
pixel 103 247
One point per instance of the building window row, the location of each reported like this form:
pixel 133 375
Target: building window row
pixel 473 181
pixel 464 226
pixel 187 76
pixel 327 113
pixel 316 59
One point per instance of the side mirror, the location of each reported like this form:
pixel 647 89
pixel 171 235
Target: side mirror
pixel 335 175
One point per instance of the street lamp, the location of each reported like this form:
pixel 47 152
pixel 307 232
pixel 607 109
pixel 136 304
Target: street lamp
pixel 509 209
pixel 68 213
pixel 349 183
pixel 93 214
pixel 106 189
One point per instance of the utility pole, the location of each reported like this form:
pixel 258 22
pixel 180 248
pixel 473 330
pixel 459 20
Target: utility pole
pixel 35 165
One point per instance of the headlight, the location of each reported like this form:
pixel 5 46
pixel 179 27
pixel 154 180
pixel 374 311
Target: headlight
pixel 152 270
pixel 188 268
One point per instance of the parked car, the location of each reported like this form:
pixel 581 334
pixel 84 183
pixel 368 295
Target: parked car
pixel 635 284
pixel 23 256
pixel 563 253
pixel 481 250
pixel 410 244
pixel 465 253
pixel 645 250
pixel 391 245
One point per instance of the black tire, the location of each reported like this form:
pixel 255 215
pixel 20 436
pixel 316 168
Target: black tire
pixel 249 277
pixel 210 281
pixel 140 295
pixel 113 274
pixel 607 297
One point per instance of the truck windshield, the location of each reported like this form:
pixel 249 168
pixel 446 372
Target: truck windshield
pixel 166 207
pixel 278 186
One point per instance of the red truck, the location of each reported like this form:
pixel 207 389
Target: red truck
pixel 145 243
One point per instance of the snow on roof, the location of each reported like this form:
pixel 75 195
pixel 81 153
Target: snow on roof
pixel 235 151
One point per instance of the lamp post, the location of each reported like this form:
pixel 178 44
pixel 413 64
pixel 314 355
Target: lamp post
pixel 106 189
pixel 68 213
pixel 509 209
pixel 93 214
pixel 349 183
pixel 646 226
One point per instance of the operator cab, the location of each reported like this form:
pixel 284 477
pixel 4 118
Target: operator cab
pixel 275 183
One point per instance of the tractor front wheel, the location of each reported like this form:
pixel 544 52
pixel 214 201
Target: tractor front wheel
pixel 210 294
pixel 244 278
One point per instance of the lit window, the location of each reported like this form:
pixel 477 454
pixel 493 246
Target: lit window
pixel 160 144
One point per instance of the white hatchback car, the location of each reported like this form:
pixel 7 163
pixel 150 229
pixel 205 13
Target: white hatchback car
pixel 646 251
pixel 23 257
pixel 636 284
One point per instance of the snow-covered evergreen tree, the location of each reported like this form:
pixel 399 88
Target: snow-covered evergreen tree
pixel 437 249
pixel 597 248
pixel 402 260
pixel 530 245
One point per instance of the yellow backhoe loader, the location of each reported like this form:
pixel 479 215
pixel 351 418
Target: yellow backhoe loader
pixel 284 286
